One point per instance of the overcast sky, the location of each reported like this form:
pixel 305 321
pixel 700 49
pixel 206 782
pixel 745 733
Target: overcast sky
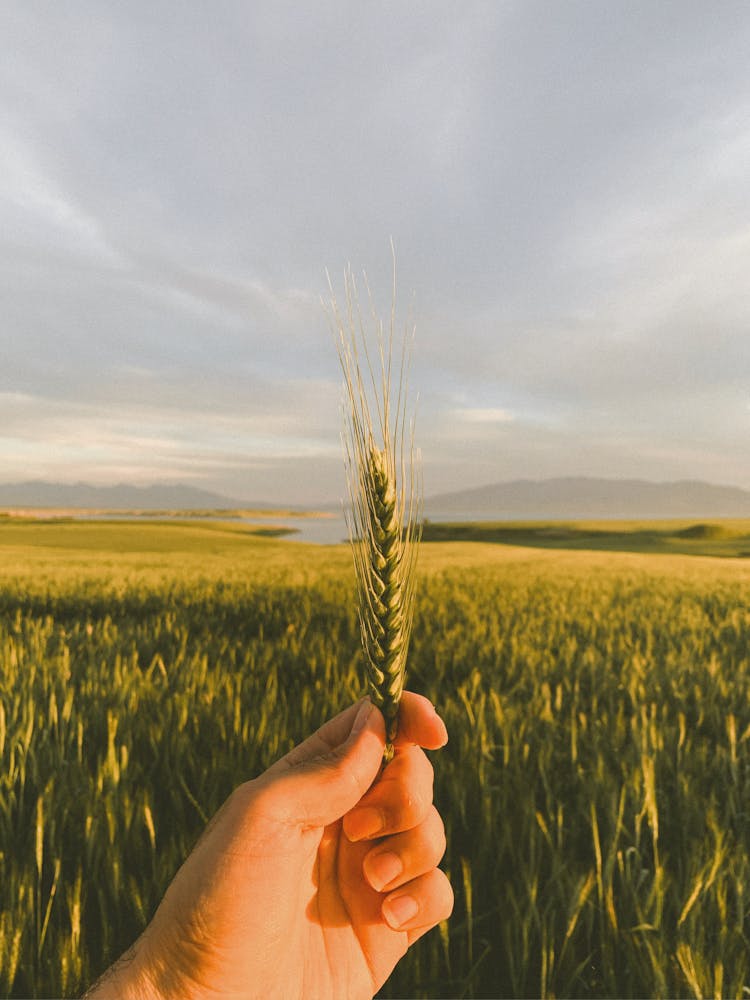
pixel 567 185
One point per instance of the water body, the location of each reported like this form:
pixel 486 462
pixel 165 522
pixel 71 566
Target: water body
pixel 313 530
pixel 333 530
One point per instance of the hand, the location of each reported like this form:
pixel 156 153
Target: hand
pixel 311 881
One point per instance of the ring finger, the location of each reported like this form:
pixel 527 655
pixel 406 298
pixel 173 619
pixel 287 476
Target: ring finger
pixel 405 856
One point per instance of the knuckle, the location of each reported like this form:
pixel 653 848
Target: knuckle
pixel 415 805
pixel 419 775
pixel 448 899
pixel 405 796
pixel 442 893
pixel 425 770
pixel 437 831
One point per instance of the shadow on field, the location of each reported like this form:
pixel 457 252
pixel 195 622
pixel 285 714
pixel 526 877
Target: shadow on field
pixel 726 539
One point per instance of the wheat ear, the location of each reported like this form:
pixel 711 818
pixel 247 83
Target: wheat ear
pixel 383 517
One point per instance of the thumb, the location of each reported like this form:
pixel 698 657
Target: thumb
pixel 326 776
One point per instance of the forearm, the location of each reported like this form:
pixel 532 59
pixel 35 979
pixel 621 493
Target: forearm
pixel 126 979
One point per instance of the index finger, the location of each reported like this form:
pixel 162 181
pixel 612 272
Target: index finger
pixel 419 723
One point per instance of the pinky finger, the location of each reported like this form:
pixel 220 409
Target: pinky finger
pixel 419 905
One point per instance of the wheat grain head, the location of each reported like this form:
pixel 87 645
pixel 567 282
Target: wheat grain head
pixel 384 492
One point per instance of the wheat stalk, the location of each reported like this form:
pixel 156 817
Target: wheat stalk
pixel 385 499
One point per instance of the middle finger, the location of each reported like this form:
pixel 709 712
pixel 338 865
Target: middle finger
pixel 404 856
pixel 398 801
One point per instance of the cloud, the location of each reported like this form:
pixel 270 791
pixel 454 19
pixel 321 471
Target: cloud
pixel 172 437
pixel 566 187
pixel 34 210
pixel 483 415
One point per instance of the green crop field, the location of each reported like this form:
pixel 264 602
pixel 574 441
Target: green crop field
pixel 595 791
pixel 728 538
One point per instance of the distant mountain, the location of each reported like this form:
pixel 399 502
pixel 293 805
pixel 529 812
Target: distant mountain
pixel 120 497
pixel 522 499
pixel 591 499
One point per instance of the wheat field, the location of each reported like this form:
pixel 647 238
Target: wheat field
pixel 595 790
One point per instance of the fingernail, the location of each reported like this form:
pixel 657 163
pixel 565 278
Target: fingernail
pixel 360 720
pixel 382 869
pixel 363 823
pixel 398 910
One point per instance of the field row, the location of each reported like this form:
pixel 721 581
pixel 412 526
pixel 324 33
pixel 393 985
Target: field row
pixel 596 787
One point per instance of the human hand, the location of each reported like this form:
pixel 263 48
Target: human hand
pixel 312 880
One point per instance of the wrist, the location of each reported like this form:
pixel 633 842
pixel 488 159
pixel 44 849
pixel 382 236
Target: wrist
pixel 128 978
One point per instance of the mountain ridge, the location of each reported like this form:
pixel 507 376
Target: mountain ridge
pixel 564 497
pixel 588 497
pixel 122 496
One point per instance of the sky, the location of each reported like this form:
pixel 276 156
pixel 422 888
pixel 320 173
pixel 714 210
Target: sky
pixel 566 184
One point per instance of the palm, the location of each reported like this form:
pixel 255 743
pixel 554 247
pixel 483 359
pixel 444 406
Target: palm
pixel 279 897
pixel 320 934
pixel 353 949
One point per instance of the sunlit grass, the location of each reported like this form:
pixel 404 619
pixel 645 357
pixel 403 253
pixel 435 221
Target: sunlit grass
pixel 723 538
pixel 595 789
